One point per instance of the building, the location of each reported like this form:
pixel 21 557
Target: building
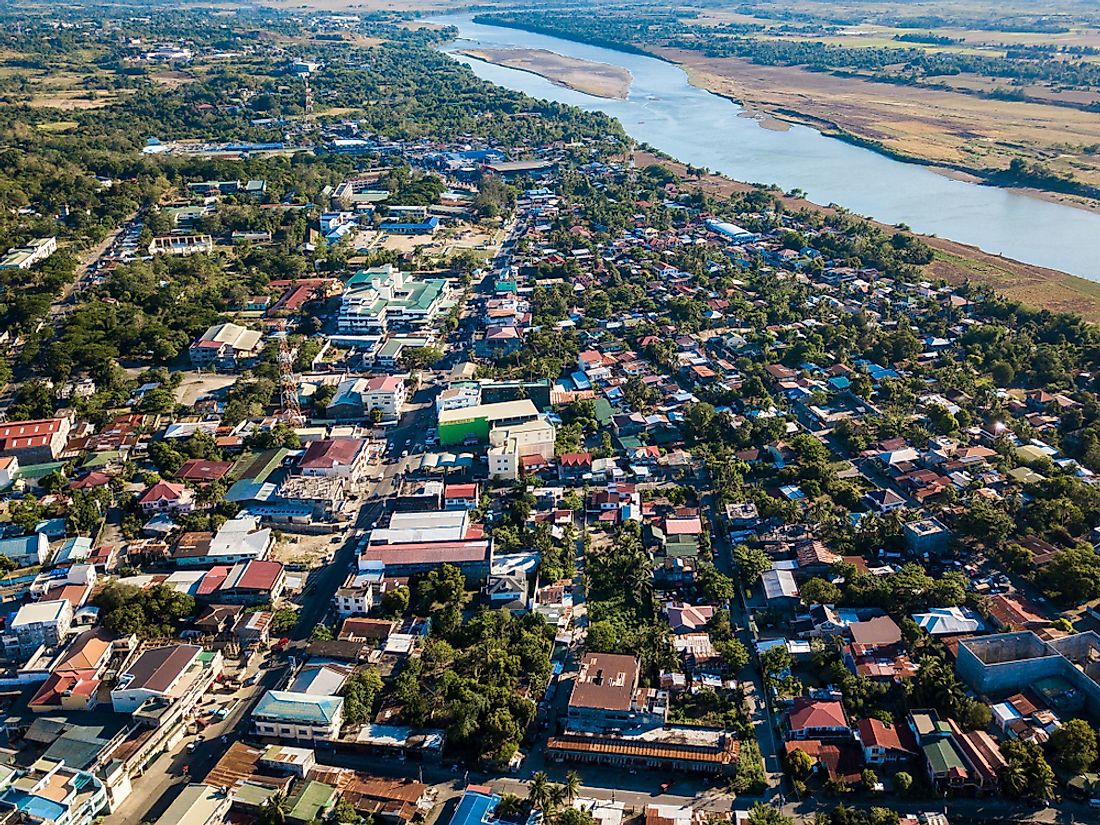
pixel 252 582
pixel 926 536
pixel 225 346
pixel 476 807
pixel 428 226
pixel 811 719
pixel 606 696
pixel 376 300
pixel 667 749
pixel 460 497
pixel 1065 672
pixel 36 624
pixel 473 424
pixel 24 257
pixel 175 673
pixel 731 232
pixel 356 397
pixel 52 793
pixel 167 497
pixel 239 539
pixel 26 550
pixel 198 805
pixel 458 397
pixel 344 458
pixel 303 717
pixel 35 442
pixel 516 447
pixel 181 245
pixel 473 557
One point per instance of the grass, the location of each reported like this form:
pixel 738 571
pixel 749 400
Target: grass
pixel 57 126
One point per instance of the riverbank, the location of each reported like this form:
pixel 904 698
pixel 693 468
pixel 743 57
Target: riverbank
pixel 597 79
pixel 955 134
pixel 955 262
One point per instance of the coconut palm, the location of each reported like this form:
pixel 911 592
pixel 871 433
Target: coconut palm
pixel 572 785
pixel 538 792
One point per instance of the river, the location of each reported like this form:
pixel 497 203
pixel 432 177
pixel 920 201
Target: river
pixel 694 126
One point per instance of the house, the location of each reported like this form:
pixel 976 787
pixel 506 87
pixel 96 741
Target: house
pixel 252 582
pixel 302 717
pixel 225 346
pixel 44 623
pixel 814 719
pixel 458 397
pixel 9 470
pixel 606 696
pixel 356 397
pixel 507 590
pixel 574 466
pixel 344 458
pixel 927 536
pixel 460 497
pixel 880 631
pixel 35 442
pixel 883 500
pixel 167 497
pixel 688 618
pixel 883 742
pixel 949 621
pixel 175 673
pixel 26 550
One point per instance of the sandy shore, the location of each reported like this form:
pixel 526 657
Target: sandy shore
pixel 1035 286
pixel 597 79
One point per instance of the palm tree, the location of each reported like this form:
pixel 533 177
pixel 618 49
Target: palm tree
pixel 557 798
pixel 538 792
pixel 572 785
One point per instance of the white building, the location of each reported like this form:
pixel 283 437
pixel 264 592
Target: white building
pixel 376 299
pixel 37 624
pixel 356 397
pixel 181 245
pixel 458 398
pixel 176 673
pixel 510 445
pixel 24 257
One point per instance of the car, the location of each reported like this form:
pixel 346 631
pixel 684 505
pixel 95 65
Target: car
pixel 193 745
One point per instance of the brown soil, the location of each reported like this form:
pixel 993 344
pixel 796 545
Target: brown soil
pixel 599 79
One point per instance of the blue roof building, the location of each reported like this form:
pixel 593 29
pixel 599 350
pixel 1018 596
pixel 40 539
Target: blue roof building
pixel 284 714
pixel 476 806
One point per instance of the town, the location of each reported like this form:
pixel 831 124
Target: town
pixel 518 473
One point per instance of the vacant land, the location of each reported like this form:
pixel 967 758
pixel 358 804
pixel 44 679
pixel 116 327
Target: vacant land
pixel 946 128
pixel 599 79
pixel 954 262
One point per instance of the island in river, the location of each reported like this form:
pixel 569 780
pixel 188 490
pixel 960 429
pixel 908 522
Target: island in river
pixel 597 79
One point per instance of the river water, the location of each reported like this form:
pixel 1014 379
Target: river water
pixel 703 129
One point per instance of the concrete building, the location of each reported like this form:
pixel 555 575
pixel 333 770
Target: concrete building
pixel 26 550
pixel 344 458
pixel 302 717
pixel 356 397
pixel 175 674
pixel 51 793
pixel 458 397
pixel 24 257
pixel 1065 671
pixel 607 698
pixel 473 424
pixel 36 624
pixel 926 536
pixel 35 442
pixel 181 245
pixel 511 444
pixel 376 300
pixel 225 346
pixel 198 805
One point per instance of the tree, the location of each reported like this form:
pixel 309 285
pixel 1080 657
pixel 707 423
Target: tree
pixel 321 633
pixel 572 785
pixel 733 653
pixel 717 587
pixel 762 814
pixel 344 811
pixel 903 782
pixel 819 591
pixel 538 791
pixel 1073 746
pixel 751 563
pixel 359 695
pixel 574 816
pixel 395 602
pixel 273 811
pixel 1026 773
pixel 869 778
pixel 799 764
pixel 1073 575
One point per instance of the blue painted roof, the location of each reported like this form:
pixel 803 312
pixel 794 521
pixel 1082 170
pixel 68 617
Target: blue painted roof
pixel 474 808
pixel 298 707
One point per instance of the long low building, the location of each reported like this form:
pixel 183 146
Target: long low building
pixel 698 750
pixel 474 423
pixel 474 558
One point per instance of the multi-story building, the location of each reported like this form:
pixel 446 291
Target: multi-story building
pixel 356 397
pixel 303 717
pixel 376 300
pixel 606 696
pixel 225 346
pixel 35 442
pixel 181 245
pixel 172 675
pixel 24 257
pixel 514 446
pixel 45 623
pixel 51 793
pixel 344 458
pixel 458 397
